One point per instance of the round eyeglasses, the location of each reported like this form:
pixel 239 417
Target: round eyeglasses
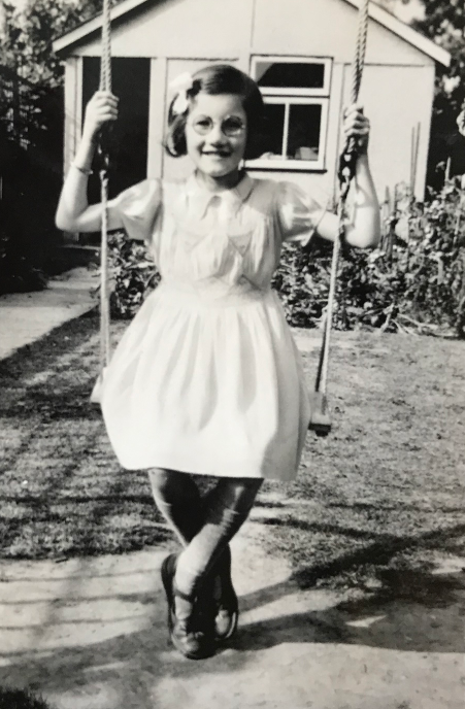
pixel 231 126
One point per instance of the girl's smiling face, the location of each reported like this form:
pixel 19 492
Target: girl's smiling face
pixel 216 136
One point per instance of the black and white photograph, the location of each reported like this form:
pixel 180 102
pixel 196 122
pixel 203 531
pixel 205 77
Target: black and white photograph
pixel 232 354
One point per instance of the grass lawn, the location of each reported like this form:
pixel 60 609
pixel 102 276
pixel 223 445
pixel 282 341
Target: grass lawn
pixel 385 491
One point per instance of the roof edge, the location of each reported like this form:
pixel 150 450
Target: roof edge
pixel 70 38
pixel 390 22
pixel 376 13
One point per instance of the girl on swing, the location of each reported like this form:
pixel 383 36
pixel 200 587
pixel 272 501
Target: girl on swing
pixel 207 379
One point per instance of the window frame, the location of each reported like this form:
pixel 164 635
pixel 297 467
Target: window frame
pixel 296 96
pixel 294 91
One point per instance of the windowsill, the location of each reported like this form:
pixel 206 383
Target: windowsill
pixel 284 166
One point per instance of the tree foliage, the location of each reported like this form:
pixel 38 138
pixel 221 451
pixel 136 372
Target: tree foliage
pixel 32 74
pixel 31 134
pixel 444 23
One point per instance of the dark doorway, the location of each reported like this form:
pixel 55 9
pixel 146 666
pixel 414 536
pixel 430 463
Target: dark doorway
pixel 129 136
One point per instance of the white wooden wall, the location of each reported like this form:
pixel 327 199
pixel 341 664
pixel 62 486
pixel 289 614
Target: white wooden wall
pixel 180 35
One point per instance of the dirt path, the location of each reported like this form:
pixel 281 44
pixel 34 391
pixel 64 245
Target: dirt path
pixel 25 317
pixel 90 634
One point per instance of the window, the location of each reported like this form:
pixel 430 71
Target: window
pixel 296 95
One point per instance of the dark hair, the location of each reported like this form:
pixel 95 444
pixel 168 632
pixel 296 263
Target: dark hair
pixel 214 80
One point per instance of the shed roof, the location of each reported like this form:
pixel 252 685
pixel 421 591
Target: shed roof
pixel 376 13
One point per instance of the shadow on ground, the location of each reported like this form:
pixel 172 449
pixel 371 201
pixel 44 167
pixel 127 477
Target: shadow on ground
pixel 99 631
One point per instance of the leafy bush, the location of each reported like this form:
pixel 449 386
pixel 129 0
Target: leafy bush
pixel 28 200
pixel 17 273
pixel 415 279
pixel 133 275
pixel 20 699
pixel 302 281
pixel 20 271
pixel 436 263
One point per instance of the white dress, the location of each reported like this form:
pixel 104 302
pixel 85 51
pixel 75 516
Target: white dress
pixel 207 378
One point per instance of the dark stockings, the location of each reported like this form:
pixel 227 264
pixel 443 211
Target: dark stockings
pixel 204 527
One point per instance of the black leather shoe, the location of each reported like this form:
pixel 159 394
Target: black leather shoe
pixel 193 636
pixel 227 606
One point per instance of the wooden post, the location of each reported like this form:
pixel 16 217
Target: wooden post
pixel 447 173
pixel 415 144
pixel 385 219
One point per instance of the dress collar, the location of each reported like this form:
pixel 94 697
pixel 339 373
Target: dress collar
pixel 201 197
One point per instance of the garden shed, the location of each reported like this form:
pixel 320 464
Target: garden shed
pixel 300 53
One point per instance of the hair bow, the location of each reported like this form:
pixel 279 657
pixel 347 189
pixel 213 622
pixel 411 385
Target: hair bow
pixel 180 86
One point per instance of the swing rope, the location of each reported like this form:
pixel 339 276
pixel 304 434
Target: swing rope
pixel 105 85
pixel 320 421
pixel 104 166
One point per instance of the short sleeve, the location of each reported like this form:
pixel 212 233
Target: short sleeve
pixel 138 208
pixel 298 213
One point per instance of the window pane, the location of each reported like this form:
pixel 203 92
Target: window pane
pixel 290 75
pixel 304 132
pixel 274 122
